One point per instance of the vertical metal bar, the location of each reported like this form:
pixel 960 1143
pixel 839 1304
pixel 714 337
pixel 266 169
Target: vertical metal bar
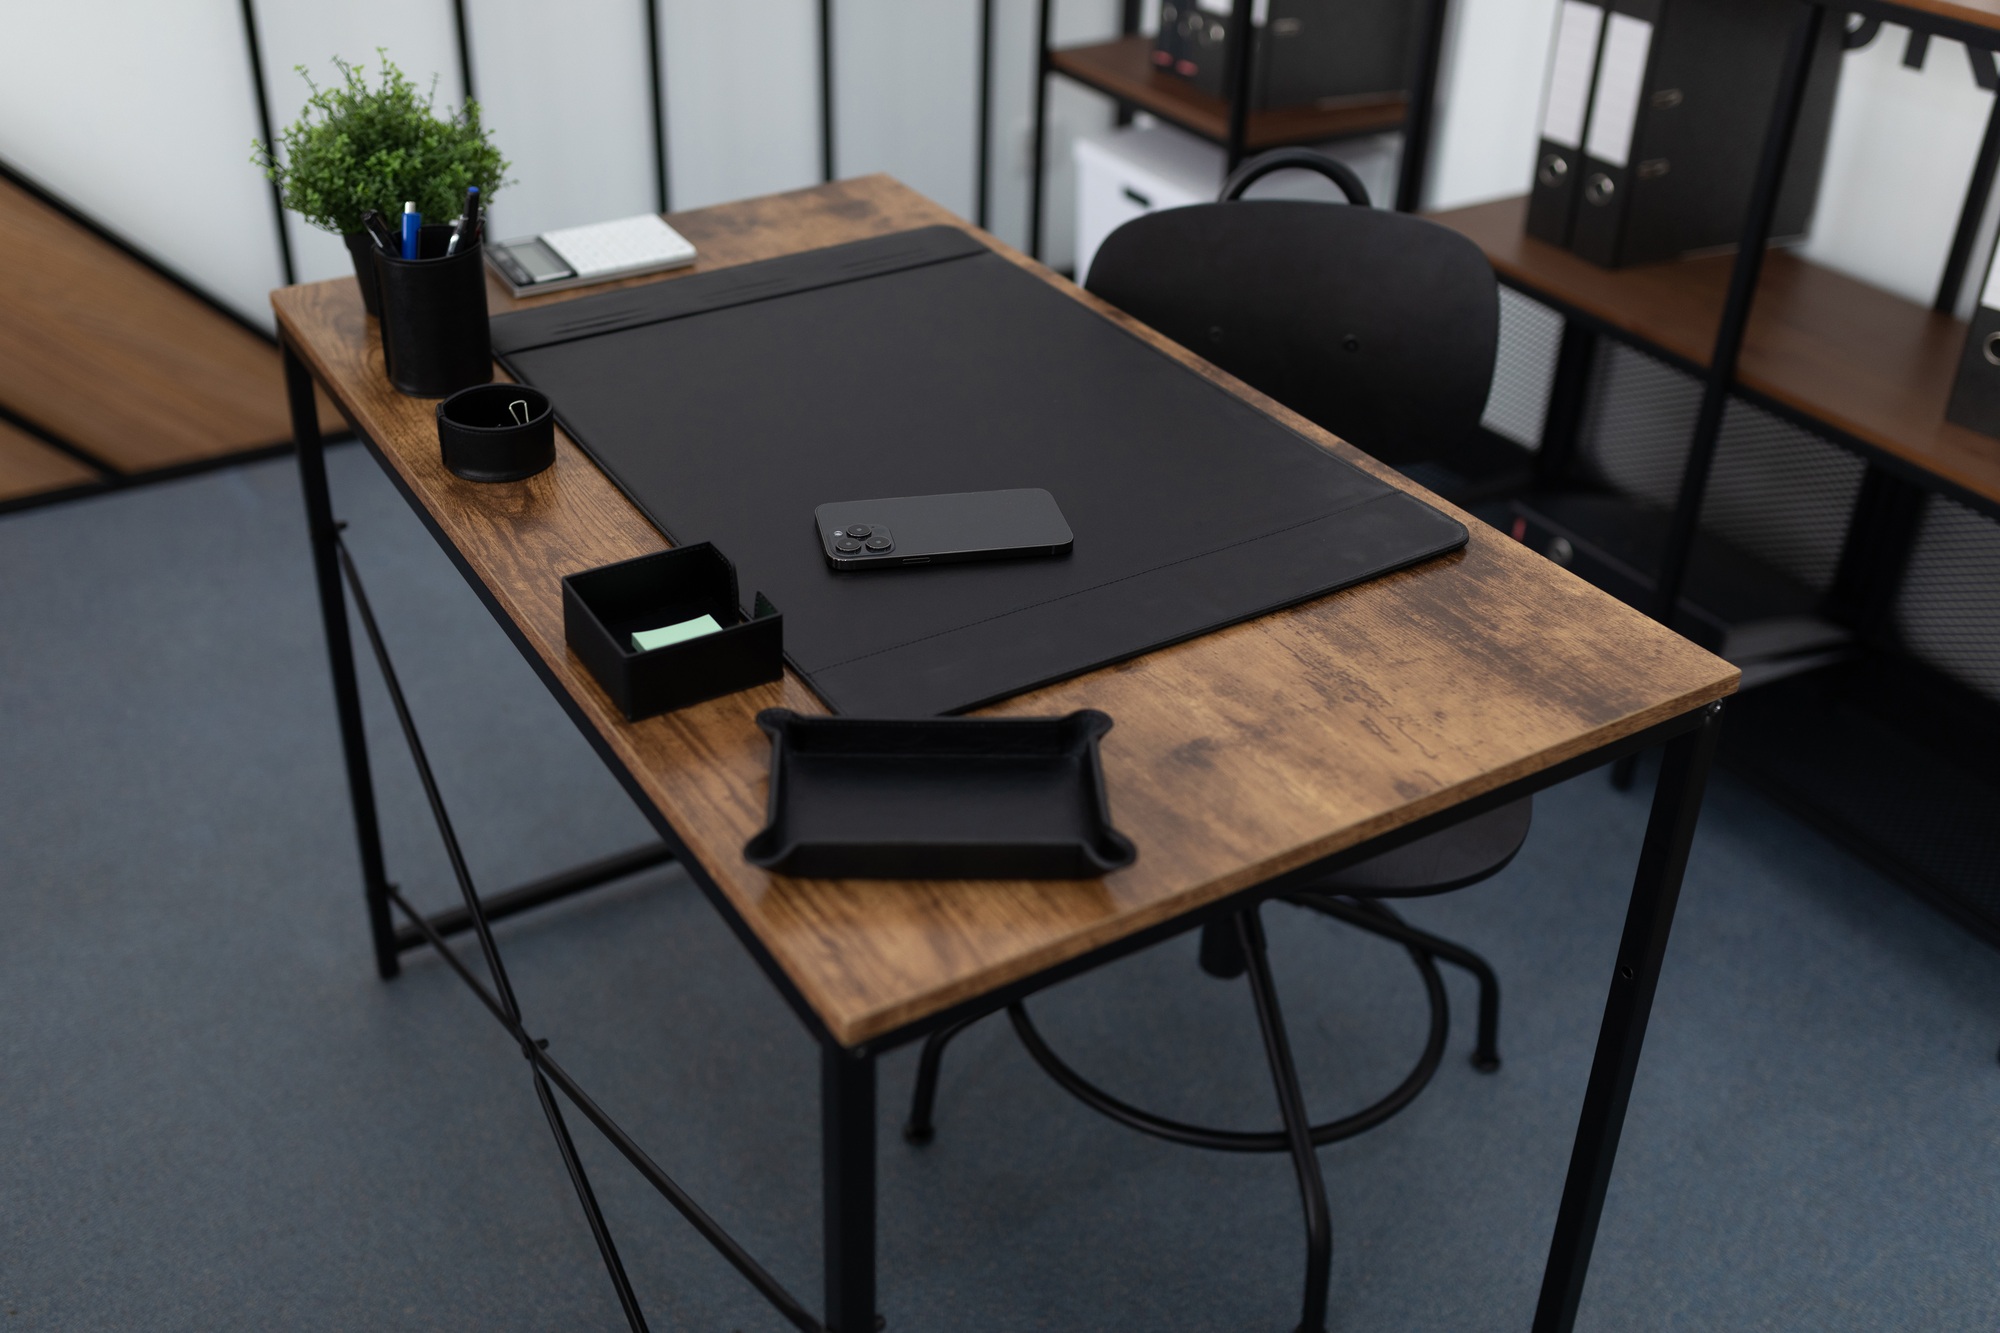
pixel 1420 113
pixel 256 52
pixel 1035 163
pixel 325 539
pixel 847 1143
pixel 662 193
pixel 1298 1125
pixel 474 909
pixel 600 1231
pixel 1635 976
pixel 1128 26
pixel 1736 310
pixel 1562 422
pixel 1240 66
pixel 463 33
pixel 1972 212
pixel 826 90
pixel 1881 533
pixel 983 191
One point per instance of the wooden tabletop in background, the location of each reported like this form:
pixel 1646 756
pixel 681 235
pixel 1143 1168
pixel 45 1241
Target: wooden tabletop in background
pixel 1235 757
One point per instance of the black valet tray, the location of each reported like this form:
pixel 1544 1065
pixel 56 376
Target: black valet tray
pixel 937 798
pixel 603 607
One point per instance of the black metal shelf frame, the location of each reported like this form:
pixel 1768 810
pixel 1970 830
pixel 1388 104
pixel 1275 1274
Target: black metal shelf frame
pixel 1887 473
pixel 1886 519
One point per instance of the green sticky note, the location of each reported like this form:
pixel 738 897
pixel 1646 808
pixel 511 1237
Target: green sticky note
pixel 648 639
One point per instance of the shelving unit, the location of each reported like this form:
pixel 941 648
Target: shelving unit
pixel 1848 360
pixel 1873 749
pixel 1123 70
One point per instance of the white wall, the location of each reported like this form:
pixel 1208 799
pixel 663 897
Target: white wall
pixel 742 97
pixel 585 155
pixel 907 94
pixel 141 114
pixel 1897 164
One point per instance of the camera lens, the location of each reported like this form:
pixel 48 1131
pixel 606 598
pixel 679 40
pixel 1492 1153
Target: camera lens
pixel 878 543
pixel 858 529
pixel 847 546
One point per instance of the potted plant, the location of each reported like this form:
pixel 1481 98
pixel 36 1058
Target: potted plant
pixel 357 147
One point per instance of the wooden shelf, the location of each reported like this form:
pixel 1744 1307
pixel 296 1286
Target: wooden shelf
pixel 1869 365
pixel 1124 69
pixel 1976 13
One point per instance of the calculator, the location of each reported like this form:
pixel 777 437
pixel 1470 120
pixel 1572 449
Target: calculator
pixel 579 256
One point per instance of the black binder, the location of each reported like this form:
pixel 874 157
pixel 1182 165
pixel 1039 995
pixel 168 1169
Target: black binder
pixel 1304 51
pixel 1975 394
pixel 1679 97
pixel 1565 107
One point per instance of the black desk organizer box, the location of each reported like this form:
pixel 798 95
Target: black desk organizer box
pixel 603 607
pixel 938 798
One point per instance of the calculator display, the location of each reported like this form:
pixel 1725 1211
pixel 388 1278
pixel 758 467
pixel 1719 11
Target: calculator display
pixel 542 263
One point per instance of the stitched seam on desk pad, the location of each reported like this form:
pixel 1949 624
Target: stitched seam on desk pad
pixel 1389 492
pixel 750 293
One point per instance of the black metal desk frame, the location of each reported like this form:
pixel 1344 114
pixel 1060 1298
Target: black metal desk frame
pixel 847 1085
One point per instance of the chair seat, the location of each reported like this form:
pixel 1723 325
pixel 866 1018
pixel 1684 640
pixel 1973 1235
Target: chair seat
pixel 1463 854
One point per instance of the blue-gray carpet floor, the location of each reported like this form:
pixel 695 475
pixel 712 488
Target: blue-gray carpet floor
pixel 213 1116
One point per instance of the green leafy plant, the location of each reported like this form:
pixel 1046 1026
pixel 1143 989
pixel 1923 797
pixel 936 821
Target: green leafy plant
pixel 357 147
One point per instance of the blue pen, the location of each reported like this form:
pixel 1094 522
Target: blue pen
pixel 413 229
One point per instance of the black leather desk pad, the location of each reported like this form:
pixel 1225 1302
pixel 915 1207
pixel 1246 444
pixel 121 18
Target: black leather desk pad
pixel 729 405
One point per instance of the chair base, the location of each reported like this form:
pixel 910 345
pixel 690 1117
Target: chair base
pixel 1235 947
pixel 1222 956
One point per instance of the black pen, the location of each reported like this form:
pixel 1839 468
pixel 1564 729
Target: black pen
pixel 378 227
pixel 466 229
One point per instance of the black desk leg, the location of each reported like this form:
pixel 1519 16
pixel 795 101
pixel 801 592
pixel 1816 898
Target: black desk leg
pixel 1649 919
pixel 324 534
pixel 847 1139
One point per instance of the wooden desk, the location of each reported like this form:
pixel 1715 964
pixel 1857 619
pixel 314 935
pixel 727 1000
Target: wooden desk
pixel 1313 736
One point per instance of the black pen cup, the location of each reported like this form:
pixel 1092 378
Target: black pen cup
pixel 434 339
pixel 497 432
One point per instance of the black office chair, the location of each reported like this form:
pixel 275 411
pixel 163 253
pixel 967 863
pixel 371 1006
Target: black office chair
pixel 1382 328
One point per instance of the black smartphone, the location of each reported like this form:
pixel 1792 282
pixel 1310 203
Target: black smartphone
pixel 937 529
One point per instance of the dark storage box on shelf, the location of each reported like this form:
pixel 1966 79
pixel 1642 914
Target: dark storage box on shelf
pixel 1305 52
pixel 938 798
pixel 604 607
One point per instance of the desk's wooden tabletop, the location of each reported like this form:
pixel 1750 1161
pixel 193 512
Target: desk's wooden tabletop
pixel 1235 757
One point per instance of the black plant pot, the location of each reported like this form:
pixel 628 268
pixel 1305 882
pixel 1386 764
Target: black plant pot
pixel 361 248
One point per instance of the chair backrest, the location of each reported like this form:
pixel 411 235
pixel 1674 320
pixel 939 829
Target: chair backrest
pixel 1379 326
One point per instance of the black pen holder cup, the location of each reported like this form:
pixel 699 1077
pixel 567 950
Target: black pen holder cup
pixel 497 432
pixel 434 339
pixel 604 607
